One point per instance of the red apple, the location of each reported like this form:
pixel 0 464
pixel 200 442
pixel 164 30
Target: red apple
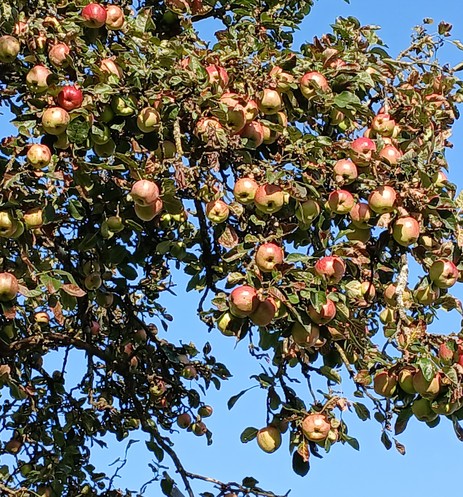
pixel 345 172
pixel 251 110
pixel 207 127
pixel 144 192
pixel 9 287
pixel 326 313
pixel 360 215
pixel 443 273
pixel 264 313
pixel 70 97
pixel 446 354
pixel 184 420
pixel 331 268
pixel 236 118
pixel 243 301
pixel 39 155
pixel 37 78
pixel 114 17
pixel 217 75
pixel 217 211
pixel 383 124
pixel 148 120
pixel 341 201
pixel 94 15
pixel 316 427
pixel 362 150
pixel 406 231
pixel 109 67
pixel 55 120
pixel 254 134
pixel 150 211
pixel 269 198
pixel 270 102
pixel 245 190
pixel 313 82
pixel 302 337
pixel 58 53
pixel 390 154
pixel 9 49
pixel 382 199
pixel 268 256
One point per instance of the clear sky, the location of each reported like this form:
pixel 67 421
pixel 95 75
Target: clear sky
pixel 433 458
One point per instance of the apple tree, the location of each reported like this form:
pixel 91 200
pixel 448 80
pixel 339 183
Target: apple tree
pixel 292 186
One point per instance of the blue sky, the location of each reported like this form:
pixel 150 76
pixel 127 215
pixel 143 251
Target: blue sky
pixel 433 456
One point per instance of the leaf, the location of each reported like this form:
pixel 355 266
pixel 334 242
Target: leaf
pixel 76 209
pixel 234 399
pixel 73 290
pixel 361 410
pixel 402 421
pixel 400 447
pixel 457 428
pixel 386 441
pixel 346 99
pixel 300 467
pixel 249 482
pixel 78 129
pixel 426 367
pixel 248 434
pixel 353 442
pixel 228 238
pixel 331 374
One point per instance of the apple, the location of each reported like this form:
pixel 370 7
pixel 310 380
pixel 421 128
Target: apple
pixel 9 226
pixel 405 378
pixel 254 134
pixel 14 446
pixel 199 428
pixel 94 15
pixel 95 328
pixel 362 150
pixel 341 201
pixel 384 383
pixel 316 427
pixel 124 106
pixel 356 234
pixel 360 215
pixel 307 211
pixel 108 67
pixel 270 102
pixel 269 198
pixel 251 110
pixel 217 211
pixel 217 75
pixel 93 281
pixel 104 150
pixel 445 407
pixel 105 299
pixel 228 325
pixel 390 295
pixel 367 290
pixel 269 439
pixel 426 295
pixel 37 78
pixel 9 49
pixel 100 134
pixel 150 211
pixel 70 97
pixel 325 315
pixel 390 154
pixel 382 200
pixel 422 410
pixel 265 312
pixel 427 389
pixel 148 120
pixel 406 231
pixel 243 301
pixel 268 256
pixel 439 179
pixel 446 354
pixel 115 223
pixel 144 192
pixel 207 127
pixel 33 218
pixel 443 273
pixel 9 287
pixel 345 172
pixel 331 268
pixel 41 318
pixel 283 79
pixel 313 82
pixel 205 411
pixel 38 155
pixel 55 120
pixel 383 124
pixel 304 338
pixel 58 53
pixel 189 372
pixel 245 190
pixel 184 420
pixel 114 17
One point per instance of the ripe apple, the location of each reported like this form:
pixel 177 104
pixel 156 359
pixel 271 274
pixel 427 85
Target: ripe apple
pixel 148 120
pixel 390 154
pixel 58 53
pixel 362 150
pixel 307 211
pixel 356 234
pixel 114 17
pixel 360 215
pixel 268 256
pixel 245 190
pixel 37 78
pixel 217 211
pixel 184 420
pixel 109 67
pixel 70 97
pixel 254 134
pixel 384 383
pixel 33 218
pixel 243 301
pixel 341 201
pixel 8 225
pixel 427 389
pixel 331 268
pixel 405 378
pixel 422 410
pixel 269 439
pixel 406 231
pixel 9 49
pixel 269 198
pixel 94 15
pixel 270 102
pixel 251 110
pixel 302 337
pixel 217 76
pixel 283 79
pixel 382 199
pixel 265 312
pixel 313 82
pixel 9 287
pixel 41 318
pixel 39 156
pixel 55 120
pixel 150 211
pixel 446 354
pixel 383 124
pixel 325 315
pixel 144 192
pixel 443 273
pixel 207 127
pixel 345 172
pixel 316 427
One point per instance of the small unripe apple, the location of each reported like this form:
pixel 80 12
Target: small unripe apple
pixel 55 120
pixel 325 315
pixel 94 15
pixel 104 150
pixel 270 102
pixel 144 192
pixel 385 384
pixel 245 190
pixel 304 338
pixel 100 134
pixel 39 156
pixel 124 106
pixel 331 268
pixel 93 281
pixel 9 49
pixel 184 420
pixel 148 120
pixel 269 198
pixel 356 234
pixel 316 427
pixel 382 200
pixel 115 224
pixel 268 256
pixel 114 17
pixel 427 389
pixel 269 439
pixel 9 287
pixel 38 78
pixel 362 150
pixel 265 312
pixel 345 172
pixel 199 429
pixel 254 134
pixel 33 218
pixel 217 211
pixel 189 372
pixel 406 231
pixel 150 211
pixel 13 446
pixel 313 82
pixel 205 411
pixel 8 225
pixel 58 54
pixel 426 295
pixel 243 301
pixel 70 97
pixel 307 211
pixel 443 273
pixel 422 410
pixel 341 201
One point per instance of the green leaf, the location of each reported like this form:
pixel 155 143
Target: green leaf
pixel 426 367
pixel 300 467
pixel 361 410
pixel 76 209
pixel 386 441
pixel 78 129
pixel 234 399
pixel 249 482
pixel 248 434
pixel 346 99
pixel 331 374
pixel 402 421
pixel 353 442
